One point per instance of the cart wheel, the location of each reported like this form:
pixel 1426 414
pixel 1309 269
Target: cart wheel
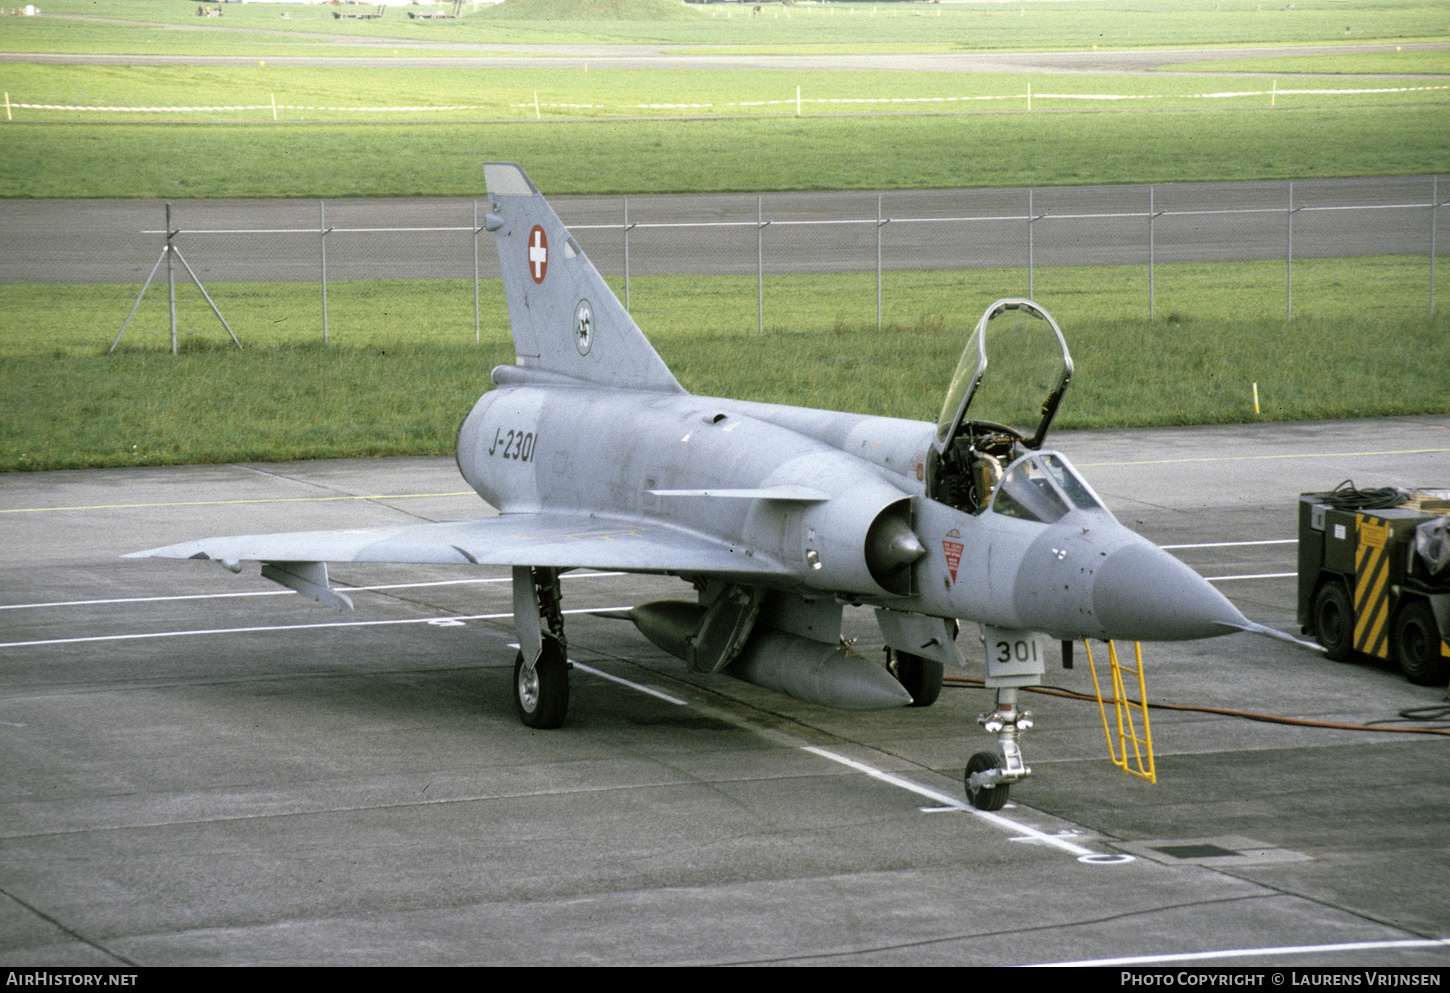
pixel 1334 621
pixel 1417 645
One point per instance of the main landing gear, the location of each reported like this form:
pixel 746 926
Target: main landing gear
pixel 541 668
pixel 921 677
pixel 541 691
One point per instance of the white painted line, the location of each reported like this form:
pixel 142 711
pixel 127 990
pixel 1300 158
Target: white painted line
pixel 634 686
pixel 1258 458
pixel 1024 832
pixel 1232 953
pixel 250 630
pixel 345 589
pixel 887 777
pixel 231 503
pixel 1233 544
pixel 280 627
pixel 1239 544
pixel 621 681
pixel 145 599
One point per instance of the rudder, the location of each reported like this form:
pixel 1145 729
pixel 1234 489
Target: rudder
pixel 565 318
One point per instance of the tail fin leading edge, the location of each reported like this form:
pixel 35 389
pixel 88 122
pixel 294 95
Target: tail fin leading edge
pixel 565 318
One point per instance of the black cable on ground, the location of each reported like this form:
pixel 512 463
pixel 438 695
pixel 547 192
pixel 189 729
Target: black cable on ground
pixel 1434 713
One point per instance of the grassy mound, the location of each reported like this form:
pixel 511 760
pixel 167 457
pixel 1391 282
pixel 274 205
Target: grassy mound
pixel 582 10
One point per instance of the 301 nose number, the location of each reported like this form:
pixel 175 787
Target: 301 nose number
pixel 1014 653
pixel 1021 650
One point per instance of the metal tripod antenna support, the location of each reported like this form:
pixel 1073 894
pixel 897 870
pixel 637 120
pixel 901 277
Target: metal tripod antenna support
pixel 167 254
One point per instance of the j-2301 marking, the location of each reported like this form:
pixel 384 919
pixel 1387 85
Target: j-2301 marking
pixel 513 445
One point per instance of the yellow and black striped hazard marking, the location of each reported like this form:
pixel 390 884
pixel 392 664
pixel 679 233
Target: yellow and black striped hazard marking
pixel 1372 587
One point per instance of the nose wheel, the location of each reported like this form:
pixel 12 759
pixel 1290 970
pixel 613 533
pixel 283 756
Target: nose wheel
pixel 984 790
pixel 990 775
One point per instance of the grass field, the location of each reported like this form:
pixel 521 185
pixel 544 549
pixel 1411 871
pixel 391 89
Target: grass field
pixel 376 391
pixel 325 131
pixel 82 320
pixel 307 401
pixel 147 26
pixel 210 94
pixel 786 153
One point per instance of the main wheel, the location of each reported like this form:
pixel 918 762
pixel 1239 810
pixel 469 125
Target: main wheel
pixel 1333 618
pixel 920 677
pixel 985 797
pixel 542 698
pixel 1417 645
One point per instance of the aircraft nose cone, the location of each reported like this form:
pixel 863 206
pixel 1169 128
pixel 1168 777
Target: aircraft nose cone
pixel 1141 593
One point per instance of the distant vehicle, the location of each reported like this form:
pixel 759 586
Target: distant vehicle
pixel 1374 577
pixel 778 516
pixel 362 15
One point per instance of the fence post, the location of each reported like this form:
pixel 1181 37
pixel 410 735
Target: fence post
pixel 760 223
pixel 1152 216
pixel 1289 257
pixel 167 253
pixel 476 230
pixel 1434 209
pixel 322 240
pixel 171 277
pixel 1029 243
pixel 879 224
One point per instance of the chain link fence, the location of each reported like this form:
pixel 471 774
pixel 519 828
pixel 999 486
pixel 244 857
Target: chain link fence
pixel 377 270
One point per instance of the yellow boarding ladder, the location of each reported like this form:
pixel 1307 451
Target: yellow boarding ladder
pixel 1127 713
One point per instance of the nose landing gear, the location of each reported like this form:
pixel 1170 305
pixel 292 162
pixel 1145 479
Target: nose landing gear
pixel 989 775
pixel 1014 659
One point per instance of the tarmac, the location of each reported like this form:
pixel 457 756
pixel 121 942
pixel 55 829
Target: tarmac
pixel 205 769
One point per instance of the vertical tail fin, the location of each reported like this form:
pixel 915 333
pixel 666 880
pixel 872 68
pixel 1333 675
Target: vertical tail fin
pixel 565 318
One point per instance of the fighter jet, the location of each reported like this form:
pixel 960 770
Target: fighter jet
pixel 779 517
